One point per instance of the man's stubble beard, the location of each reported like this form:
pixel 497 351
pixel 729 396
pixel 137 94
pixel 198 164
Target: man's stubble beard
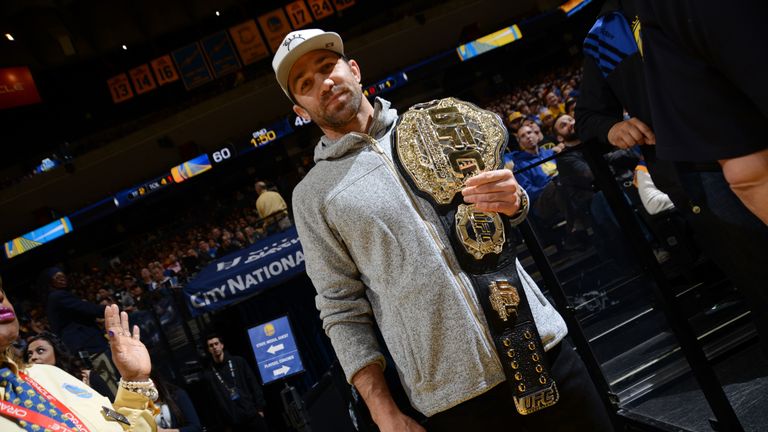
pixel 342 117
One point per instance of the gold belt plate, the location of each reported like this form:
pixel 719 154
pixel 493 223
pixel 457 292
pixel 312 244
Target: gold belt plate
pixel 538 400
pixel 481 233
pixel 444 142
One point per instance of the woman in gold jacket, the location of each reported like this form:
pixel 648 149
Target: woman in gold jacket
pixel 49 398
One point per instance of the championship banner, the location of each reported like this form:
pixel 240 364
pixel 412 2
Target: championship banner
pixel 489 42
pixel 17 87
pixel 192 66
pixel 275 26
pixel 221 55
pixel 247 272
pixel 248 41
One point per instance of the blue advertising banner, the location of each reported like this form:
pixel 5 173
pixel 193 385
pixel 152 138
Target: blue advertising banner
pixel 36 237
pixel 221 54
pixel 275 350
pixel 246 272
pixel 192 66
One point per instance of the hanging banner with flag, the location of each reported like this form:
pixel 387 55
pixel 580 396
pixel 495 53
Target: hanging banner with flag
pixel 192 66
pixel 275 26
pixel 221 55
pixel 247 272
pixel 248 41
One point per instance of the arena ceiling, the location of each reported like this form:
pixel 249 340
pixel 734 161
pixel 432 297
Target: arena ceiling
pixel 73 46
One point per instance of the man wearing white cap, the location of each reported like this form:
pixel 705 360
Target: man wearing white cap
pixel 377 254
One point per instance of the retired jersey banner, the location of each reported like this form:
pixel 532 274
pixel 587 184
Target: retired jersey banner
pixel 321 8
pixel 17 87
pixel 250 45
pixel 191 64
pixel 239 275
pixel 120 88
pixel 165 71
pixel 142 79
pixel 298 13
pixel 275 26
pixel 221 55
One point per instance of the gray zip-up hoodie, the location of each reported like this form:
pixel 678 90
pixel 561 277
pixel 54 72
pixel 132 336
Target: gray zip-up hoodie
pixel 374 251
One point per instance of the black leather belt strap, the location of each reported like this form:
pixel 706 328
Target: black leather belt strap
pixel 451 138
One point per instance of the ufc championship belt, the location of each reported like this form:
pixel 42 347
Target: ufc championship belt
pixel 437 146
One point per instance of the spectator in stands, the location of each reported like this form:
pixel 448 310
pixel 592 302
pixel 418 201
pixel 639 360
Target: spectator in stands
pixel 547 142
pixel 216 235
pixel 228 246
pixel 161 279
pixel 127 302
pixel 47 348
pixel 240 238
pixel 206 253
pixel 140 298
pixel 514 121
pixel 694 74
pixel 172 263
pixel 192 261
pixel 272 209
pixel 575 178
pixel 132 400
pixel 554 105
pixel 654 201
pixel 729 234
pixel 71 317
pixel 235 389
pixel 177 413
pixel 570 107
pixel 146 280
pixel 537 178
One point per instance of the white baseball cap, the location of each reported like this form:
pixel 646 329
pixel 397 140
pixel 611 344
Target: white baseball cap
pixel 298 43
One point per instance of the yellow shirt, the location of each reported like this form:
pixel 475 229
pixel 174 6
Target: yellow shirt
pixel 559 110
pixel 270 202
pixel 86 403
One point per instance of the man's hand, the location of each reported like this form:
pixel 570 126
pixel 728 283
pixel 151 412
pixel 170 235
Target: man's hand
pixel 628 133
pixel 399 423
pixel 493 191
pixel 370 383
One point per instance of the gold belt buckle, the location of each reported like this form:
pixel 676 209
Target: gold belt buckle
pixel 444 142
pixel 504 299
pixel 480 233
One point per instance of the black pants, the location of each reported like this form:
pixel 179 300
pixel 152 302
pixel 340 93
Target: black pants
pixel 256 424
pixel 579 409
